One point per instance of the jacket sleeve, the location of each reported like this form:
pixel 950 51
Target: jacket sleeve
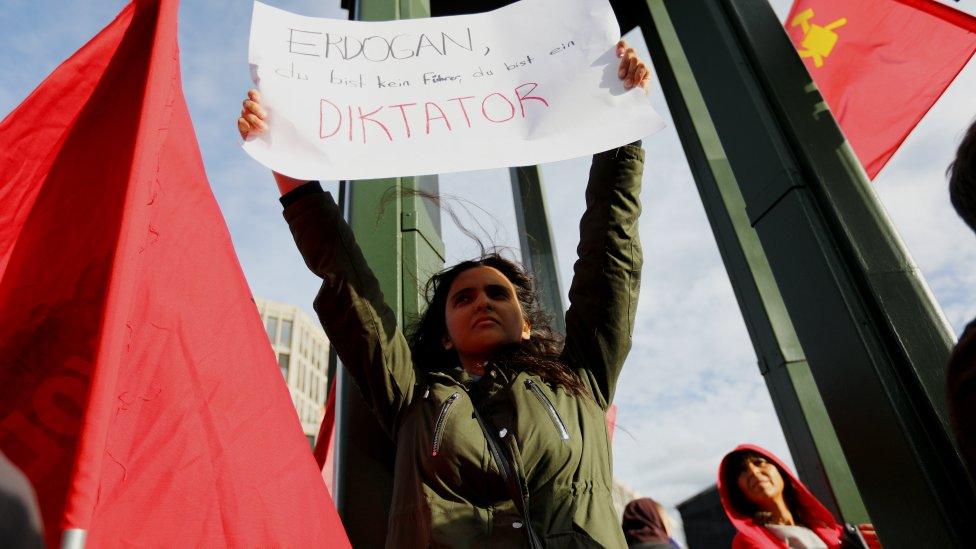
pixel 350 306
pixel 606 277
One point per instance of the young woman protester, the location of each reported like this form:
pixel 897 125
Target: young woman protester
pixel 499 428
pixel 772 509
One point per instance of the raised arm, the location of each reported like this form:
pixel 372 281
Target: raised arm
pixel 606 277
pixel 349 304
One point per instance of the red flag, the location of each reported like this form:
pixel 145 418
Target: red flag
pixel 880 65
pixel 324 455
pixel 137 389
pixel 611 418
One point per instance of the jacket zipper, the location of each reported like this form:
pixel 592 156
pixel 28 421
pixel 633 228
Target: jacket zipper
pixel 441 420
pixel 547 404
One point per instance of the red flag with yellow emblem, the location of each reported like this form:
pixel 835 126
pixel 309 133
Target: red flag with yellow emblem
pixel 880 65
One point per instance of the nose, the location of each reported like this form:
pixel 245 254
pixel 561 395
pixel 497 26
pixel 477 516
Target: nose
pixel 482 302
pixel 753 470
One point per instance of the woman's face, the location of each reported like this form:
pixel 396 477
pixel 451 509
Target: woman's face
pixel 482 313
pixel 760 480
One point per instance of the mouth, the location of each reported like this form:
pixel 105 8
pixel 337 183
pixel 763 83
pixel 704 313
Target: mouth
pixel 484 321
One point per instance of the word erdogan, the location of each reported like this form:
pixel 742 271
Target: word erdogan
pixel 403 120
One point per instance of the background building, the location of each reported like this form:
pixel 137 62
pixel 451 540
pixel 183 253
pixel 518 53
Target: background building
pixel 303 357
pixel 705 523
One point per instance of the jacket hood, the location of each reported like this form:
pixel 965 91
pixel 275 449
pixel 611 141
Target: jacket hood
pixel 643 523
pixel 805 507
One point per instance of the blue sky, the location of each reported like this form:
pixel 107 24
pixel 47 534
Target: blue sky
pixel 691 389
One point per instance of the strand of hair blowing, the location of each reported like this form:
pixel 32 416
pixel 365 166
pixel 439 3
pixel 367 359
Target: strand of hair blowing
pixel 539 355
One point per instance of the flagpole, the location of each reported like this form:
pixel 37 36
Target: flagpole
pixel 73 538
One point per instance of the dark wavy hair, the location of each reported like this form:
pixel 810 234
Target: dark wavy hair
pixel 539 355
pixel 962 178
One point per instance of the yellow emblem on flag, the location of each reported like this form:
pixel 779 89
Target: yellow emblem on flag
pixel 818 41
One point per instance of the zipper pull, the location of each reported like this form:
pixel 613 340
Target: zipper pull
pixel 439 424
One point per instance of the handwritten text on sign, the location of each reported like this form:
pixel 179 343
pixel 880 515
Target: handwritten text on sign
pixel 533 82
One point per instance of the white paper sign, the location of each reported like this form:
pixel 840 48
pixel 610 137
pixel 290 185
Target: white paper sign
pixel 533 82
pixel 967 6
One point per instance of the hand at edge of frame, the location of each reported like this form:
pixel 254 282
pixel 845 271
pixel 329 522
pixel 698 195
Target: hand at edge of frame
pixel 870 536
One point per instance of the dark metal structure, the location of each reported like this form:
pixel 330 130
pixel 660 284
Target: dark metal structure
pixel 874 341
pixel 704 520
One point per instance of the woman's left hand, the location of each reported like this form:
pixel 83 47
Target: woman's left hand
pixel 632 70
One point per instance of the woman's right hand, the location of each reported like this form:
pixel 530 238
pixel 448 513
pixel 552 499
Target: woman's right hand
pixel 251 121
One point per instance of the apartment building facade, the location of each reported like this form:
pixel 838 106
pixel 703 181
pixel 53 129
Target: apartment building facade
pixel 302 349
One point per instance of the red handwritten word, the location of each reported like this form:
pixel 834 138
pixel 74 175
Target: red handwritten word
pixel 495 108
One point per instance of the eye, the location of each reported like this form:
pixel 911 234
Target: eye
pixel 461 298
pixel 499 292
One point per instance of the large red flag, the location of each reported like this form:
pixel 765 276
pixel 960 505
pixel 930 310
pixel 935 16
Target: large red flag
pixel 880 65
pixel 324 446
pixel 137 389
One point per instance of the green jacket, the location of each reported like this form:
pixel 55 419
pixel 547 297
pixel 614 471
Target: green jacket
pixel 447 489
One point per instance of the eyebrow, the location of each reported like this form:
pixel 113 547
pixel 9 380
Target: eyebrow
pixel 746 459
pixel 488 287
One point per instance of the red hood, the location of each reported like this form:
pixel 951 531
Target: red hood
pixel 808 510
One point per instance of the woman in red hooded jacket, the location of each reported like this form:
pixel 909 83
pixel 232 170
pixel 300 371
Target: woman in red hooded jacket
pixel 772 509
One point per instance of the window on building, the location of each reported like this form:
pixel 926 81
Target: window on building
pixel 283 364
pixel 272 325
pixel 286 332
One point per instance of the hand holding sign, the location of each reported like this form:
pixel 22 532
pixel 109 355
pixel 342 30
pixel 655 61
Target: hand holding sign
pixel 351 100
pixel 252 115
pixel 632 70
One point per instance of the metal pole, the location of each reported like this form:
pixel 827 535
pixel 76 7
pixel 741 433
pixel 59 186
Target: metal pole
pixel 806 426
pixel 403 247
pixel 535 237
